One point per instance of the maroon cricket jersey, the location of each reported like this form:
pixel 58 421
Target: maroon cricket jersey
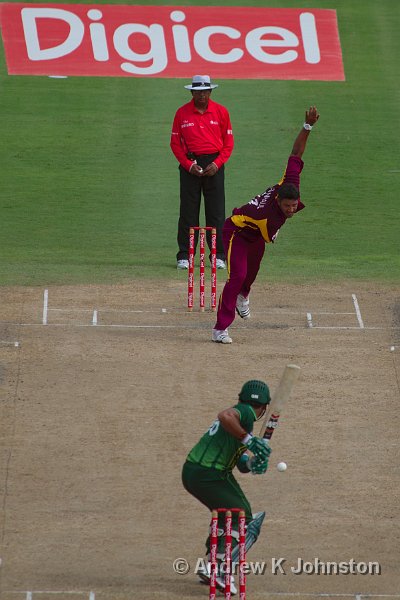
pixel 262 215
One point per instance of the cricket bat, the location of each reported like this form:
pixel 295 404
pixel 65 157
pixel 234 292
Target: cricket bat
pixel 278 401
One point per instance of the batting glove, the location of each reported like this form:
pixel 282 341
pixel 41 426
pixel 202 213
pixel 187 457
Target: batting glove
pixel 259 447
pixel 258 466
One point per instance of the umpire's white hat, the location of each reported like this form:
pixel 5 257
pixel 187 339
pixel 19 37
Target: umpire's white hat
pixel 201 82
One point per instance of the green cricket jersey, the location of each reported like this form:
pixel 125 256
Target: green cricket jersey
pixel 217 448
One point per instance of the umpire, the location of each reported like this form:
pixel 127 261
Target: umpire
pixel 202 142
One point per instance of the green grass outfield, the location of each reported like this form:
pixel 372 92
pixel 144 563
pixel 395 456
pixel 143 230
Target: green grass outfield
pixel 89 186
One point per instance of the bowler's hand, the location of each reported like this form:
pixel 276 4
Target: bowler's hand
pixel 196 170
pixel 210 170
pixel 312 115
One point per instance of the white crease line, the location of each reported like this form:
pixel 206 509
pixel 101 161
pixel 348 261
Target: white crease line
pixel 92 595
pixel 182 326
pixel 333 313
pixel 344 327
pixel 29 595
pixel 358 312
pixel 94 320
pixel 45 306
pixel 122 326
pixel 312 594
pixel 164 310
pixel 309 320
pixel 179 309
pixel 117 310
pixel 327 594
pixel 73 309
pixel 295 312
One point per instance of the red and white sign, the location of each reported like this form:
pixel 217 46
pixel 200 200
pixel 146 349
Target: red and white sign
pixel 171 41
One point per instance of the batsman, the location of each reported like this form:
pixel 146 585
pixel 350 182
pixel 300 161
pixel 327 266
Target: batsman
pixel 207 473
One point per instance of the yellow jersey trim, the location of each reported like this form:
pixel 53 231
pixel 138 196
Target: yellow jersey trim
pixel 244 221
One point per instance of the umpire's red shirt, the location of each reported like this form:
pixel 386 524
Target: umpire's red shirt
pixel 206 133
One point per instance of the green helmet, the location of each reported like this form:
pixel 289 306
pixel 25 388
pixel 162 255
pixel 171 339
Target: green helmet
pixel 255 391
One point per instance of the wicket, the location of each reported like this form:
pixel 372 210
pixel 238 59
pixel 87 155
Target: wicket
pixel 202 236
pixel 228 552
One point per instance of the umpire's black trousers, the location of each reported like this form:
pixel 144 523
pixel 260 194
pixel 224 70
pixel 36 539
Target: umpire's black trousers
pixel 191 188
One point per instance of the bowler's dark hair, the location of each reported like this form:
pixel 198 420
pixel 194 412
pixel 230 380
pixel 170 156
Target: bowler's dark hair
pixel 288 191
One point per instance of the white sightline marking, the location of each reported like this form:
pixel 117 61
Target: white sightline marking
pixel 309 320
pixel 45 306
pixel 94 320
pixel 28 596
pixel 92 596
pixel 358 312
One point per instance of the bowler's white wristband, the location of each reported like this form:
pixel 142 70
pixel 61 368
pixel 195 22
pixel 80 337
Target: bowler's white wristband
pixel 246 439
pixel 307 126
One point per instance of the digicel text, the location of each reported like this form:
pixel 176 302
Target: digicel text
pixel 126 40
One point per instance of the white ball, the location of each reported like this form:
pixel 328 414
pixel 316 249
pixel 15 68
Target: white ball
pixel 391 348
pixel 282 466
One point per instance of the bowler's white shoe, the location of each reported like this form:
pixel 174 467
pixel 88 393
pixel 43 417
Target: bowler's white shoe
pixel 182 264
pixel 221 336
pixel 243 307
pixel 220 264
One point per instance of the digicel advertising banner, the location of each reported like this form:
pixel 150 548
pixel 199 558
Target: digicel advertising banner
pixel 171 41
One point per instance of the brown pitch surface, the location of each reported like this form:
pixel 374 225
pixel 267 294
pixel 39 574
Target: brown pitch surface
pixel 96 422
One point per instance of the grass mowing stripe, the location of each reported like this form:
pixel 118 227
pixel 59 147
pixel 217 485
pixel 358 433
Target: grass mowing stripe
pixel 90 187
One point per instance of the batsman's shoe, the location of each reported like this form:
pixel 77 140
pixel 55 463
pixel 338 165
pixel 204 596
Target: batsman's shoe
pixel 242 307
pixel 221 584
pixel 204 572
pixel 221 336
pixel 182 264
